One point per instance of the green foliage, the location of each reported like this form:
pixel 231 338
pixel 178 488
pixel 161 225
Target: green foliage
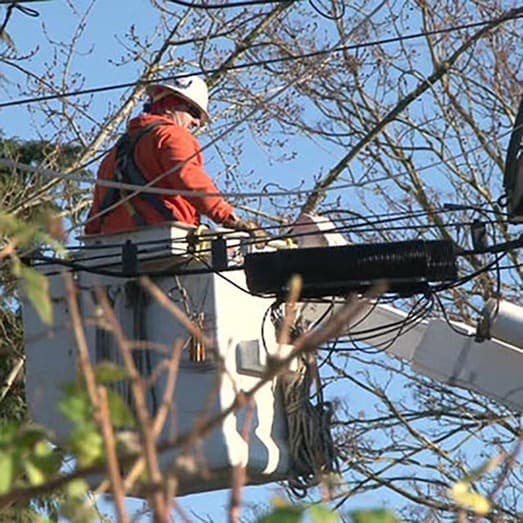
pixel 26 212
pixel 26 457
pixel 373 516
pixel 284 512
pixel 108 372
pixel 85 441
pixel 287 514
pixel 76 507
pixel 27 236
pixel 19 187
pixel 36 287
pixel 321 513
pixel 86 444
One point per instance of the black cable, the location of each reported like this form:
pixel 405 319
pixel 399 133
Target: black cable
pixel 405 325
pixel 386 218
pixel 415 314
pixel 509 15
pixel 447 319
pixel 382 330
pixel 510 267
pixel 153 246
pixel 6 19
pixel 240 3
pixel 500 247
pixel 228 280
pixel 103 246
pixel 465 207
pixel 323 11
pixel 466 279
pixel 262 329
pixel 77 267
pixel 161 248
pixel 16 5
pixel 393 217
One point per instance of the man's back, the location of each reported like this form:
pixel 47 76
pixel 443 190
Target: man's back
pixel 168 155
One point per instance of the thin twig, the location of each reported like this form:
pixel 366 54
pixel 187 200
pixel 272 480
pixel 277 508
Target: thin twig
pixel 291 306
pixel 113 467
pixel 161 415
pixel 239 474
pixel 156 499
pixel 166 303
pixel 83 349
pixel 18 366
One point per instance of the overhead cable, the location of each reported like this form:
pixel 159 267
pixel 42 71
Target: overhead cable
pixel 51 174
pixel 322 11
pixel 15 4
pixel 240 3
pixel 508 15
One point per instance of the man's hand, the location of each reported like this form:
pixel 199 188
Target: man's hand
pixel 237 224
pixel 252 228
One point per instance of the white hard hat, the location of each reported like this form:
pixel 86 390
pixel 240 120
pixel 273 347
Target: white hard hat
pixel 191 88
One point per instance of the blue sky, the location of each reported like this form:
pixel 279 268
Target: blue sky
pixel 97 47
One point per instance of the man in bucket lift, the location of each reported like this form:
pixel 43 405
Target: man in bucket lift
pixel 158 147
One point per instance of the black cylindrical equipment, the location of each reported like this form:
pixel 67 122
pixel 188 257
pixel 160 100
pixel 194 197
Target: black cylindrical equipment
pixel 407 267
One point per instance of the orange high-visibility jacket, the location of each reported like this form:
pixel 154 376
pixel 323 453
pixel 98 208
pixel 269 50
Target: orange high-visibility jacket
pixel 165 148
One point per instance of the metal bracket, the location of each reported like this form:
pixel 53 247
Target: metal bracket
pixel 248 358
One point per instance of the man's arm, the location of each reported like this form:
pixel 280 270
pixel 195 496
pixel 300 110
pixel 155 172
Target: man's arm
pixel 180 148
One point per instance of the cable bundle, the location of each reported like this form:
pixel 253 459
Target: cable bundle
pixel 311 447
pixel 335 271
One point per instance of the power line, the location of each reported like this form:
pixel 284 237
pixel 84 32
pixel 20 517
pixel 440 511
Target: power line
pixel 509 15
pixel 52 174
pixel 241 3
pixel 16 4
pixel 150 247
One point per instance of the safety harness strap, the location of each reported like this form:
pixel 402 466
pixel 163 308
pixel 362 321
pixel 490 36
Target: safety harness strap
pixel 127 171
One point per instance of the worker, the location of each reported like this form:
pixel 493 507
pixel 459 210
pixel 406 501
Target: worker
pixel 159 149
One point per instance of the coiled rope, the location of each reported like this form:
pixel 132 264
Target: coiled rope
pixel 311 446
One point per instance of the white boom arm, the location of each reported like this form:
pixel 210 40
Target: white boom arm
pixel 447 352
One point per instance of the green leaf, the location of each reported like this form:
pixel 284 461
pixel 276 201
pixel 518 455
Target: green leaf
pixel 23 232
pixel 465 497
pixel 374 516
pixel 43 449
pixel 77 488
pixel 76 406
pixel 46 459
pixel 37 289
pixel 87 445
pixel 287 514
pixel 29 234
pixel 8 432
pixel 7 471
pixel 109 372
pixel 322 514
pixel 29 436
pixel 34 474
pixel 121 415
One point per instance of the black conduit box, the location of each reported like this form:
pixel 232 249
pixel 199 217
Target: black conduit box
pixel 407 266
